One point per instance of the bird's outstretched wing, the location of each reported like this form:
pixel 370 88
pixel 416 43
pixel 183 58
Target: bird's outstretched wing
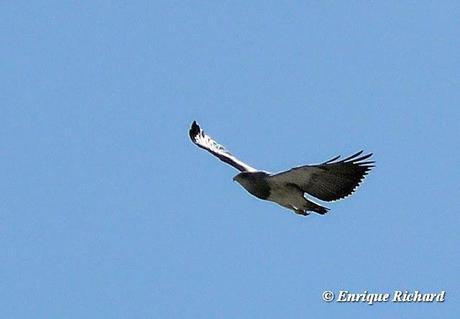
pixel 206 142
pixel 328 181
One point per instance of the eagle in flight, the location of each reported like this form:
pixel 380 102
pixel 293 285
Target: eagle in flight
pixel 329 181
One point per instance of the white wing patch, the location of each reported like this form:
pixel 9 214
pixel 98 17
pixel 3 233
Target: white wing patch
pixel 204 141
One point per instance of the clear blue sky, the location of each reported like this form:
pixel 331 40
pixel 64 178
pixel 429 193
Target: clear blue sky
pixel 108 211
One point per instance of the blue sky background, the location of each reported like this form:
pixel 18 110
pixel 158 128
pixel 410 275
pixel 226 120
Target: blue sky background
pixel 108 211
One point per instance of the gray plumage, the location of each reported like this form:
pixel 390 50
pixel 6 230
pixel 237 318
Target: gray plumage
pixel 329 181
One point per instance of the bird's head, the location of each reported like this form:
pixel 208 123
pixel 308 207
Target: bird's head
pixel 238 178
pixel 246 178
pixel 242 177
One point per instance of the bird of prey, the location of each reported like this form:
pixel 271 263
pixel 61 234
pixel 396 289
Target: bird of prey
pixel 329 181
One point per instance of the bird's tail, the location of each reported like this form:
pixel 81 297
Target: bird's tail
pixel 312 206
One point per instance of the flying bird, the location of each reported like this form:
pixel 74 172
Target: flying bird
pixel 329 181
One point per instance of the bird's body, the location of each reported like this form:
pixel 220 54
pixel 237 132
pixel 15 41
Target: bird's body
pixel 328 181
pixel 287 195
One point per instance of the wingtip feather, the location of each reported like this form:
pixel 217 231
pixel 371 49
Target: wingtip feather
pixel 194 131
